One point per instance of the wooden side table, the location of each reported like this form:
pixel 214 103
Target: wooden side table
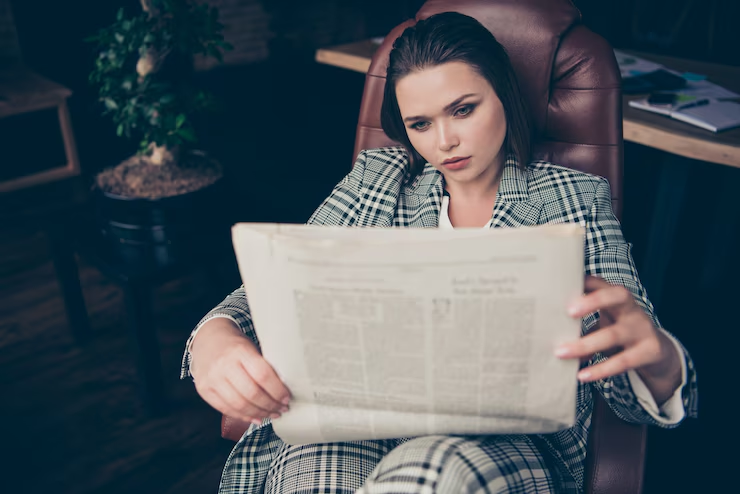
pixel 62 211
pixel 139 279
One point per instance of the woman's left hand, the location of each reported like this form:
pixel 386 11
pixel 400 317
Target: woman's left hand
pixel 628 336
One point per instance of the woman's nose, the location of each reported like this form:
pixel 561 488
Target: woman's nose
pixel 446 137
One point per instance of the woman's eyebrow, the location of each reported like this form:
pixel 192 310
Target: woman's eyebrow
pixel 447 108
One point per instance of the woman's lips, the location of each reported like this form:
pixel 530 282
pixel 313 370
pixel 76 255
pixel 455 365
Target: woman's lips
pixel 456 163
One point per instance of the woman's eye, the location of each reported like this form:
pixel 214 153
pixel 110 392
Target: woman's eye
pixel 420 126
pixel 464 111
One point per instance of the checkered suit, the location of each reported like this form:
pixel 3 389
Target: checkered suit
pixel 377 193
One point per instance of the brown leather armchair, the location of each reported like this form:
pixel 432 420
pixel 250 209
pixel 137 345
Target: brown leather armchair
pixel 571 82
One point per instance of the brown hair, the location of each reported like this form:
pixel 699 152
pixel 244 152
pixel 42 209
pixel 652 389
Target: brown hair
pixel 454 37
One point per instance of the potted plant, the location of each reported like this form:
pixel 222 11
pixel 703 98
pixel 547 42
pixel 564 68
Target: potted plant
pixel 144 76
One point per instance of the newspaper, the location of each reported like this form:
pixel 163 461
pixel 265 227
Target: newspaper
pixel 383 333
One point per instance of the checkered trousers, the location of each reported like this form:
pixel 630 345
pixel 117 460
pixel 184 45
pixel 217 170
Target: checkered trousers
pixel 377 192
pixel 446 464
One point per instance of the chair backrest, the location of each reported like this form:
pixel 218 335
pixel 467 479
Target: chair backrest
pixel 568 76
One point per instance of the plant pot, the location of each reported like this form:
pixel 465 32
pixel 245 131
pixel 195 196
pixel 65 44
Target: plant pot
pixel 146 233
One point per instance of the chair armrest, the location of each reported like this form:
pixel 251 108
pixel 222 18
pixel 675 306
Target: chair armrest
pixel 232 428
pixel 615 461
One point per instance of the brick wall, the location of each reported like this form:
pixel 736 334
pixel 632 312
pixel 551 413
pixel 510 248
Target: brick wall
pixel 247 27
pixel 250 25
pixel 256 26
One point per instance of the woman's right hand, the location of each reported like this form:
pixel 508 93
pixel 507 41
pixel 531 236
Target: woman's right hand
pixel 231 375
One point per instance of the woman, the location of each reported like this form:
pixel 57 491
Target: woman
pixel 452 100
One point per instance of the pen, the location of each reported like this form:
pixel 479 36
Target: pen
pixel 700 102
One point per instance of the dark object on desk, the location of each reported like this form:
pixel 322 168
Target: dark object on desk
pixel 694 104
pixel 657 80
pixel 661 98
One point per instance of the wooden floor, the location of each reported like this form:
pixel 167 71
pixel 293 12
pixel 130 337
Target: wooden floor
pixel 70 419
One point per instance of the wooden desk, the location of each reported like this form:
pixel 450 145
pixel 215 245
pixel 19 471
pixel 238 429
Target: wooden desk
pixel 22 91
pixel 639 126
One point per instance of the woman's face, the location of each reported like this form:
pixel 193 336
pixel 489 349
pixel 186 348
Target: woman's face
pixel 455 120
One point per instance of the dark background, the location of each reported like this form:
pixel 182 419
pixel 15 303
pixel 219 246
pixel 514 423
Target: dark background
pixel 287 124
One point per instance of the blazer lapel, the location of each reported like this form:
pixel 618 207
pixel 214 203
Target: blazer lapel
pixel 513 208
pixel 422 201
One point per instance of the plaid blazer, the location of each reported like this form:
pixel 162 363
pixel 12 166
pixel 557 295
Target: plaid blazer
pixel 377 192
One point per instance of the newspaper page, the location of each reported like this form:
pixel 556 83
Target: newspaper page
pixel 383 333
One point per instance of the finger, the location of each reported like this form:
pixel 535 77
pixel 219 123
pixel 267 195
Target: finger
pixel 265 377
pixel 593 283
pixel 252 392
pixel 615 365
pixel 604 340
pixel 214 399
pixel 233 398
pixel 616 299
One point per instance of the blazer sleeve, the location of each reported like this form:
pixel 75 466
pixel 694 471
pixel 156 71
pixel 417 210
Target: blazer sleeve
pixel 234 307
pixel 340 208
pixel 608 256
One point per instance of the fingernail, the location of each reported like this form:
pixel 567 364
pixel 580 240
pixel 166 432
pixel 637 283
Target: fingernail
pixel 584 375
pixel 284 409
pixel 573 310
pixel 562 351
pixel 256 421
pixel 286 401
pixel 274 415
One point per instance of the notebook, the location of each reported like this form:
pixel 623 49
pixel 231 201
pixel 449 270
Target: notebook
pixel 709 114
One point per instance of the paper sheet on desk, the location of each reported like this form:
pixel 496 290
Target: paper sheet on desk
pixel 706 89
pixel 630 65
pixel 384 333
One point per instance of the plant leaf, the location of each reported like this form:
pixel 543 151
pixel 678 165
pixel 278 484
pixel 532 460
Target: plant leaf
pixel 187 134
